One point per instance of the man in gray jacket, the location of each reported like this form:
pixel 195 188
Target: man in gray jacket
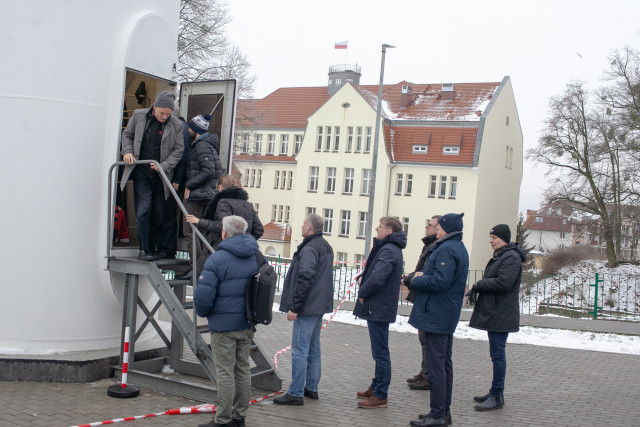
pixel 306 296
pixel 151 134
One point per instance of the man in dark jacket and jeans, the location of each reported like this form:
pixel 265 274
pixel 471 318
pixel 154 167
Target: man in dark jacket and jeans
pixel 307 294
pixel 379 287
pixel 419 381
pixel 220 297
pixel 441 287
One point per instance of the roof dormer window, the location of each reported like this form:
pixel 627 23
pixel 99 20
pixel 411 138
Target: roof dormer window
pixel 419 149
pixel 447 87
pixel 450 150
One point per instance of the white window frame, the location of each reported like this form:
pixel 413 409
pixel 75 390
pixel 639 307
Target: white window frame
pixel 419 149
pixel 362 224
pixel 450 150
pixel 336 138
pixel 284 145
pixel 453 187
pixel 319 141
pixel 331 180
pixel 258 144
pixel 433 185
pixel 314 172
pixel 399 183
pixel 276 180
pixel 290 180
pixel 349 174
pixel 349 146
pixel 345 222
pixel 327 220
pixel 443 187
pixel 409 187
pixel 367 143
pixel 271 144
pixel 358 139
pixel 366 182
pixel 298 139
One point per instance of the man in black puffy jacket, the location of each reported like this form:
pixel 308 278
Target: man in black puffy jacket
pixel 378 304
pixel 306 296
pixel 202 172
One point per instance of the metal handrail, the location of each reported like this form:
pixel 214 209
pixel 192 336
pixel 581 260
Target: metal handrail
pixel 167 182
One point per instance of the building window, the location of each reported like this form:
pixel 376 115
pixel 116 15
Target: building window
pixel 359 259
pixel 286 213
pixel 253 178
pixel 366 181
pixel 443 186
pixel 284 145
pixel 345 220
pixel 450 150
pixel 284 180
pixel 419 149
pixel 507 123
pixel 245 143
pixel 280 211
pixel 271 144
pixel 328 221
pixel 276 182
pixel 336 140
pixel 349 139
pixel 358 139
pixel 319 142
pixel 258 146
pixel 409 184
pixel 362 224
pixel 447 87
pixel 274 212
pixel 298 143
pixel 327 144
pixel 433 183
pixel 405 225
pixel 338 81
pixel 348 180
pixel 367 143
pixel 562 235
pixel 290 180
pixel 256 207
pixel 538 219
pixel 259 183
pixel 399 179
pixel 313 178
pixel 246 178
pixel 310 211
pixel 508 158
pixel 342 257
pixel 453 187
pixel 331 180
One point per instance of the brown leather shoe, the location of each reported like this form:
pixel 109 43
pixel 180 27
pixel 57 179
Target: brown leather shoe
pixel 365 394
pixel 373 402
pixel 419 385
pixel 415 378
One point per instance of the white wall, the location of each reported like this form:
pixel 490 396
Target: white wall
pixel 61 100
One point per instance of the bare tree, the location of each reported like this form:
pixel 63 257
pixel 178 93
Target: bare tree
pixel 204 50
pixel 579 159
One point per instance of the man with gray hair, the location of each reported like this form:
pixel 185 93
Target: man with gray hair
pixel 220 297
pixel 306 296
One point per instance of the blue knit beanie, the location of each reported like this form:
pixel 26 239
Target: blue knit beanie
pixel 200 124
pixel 451 222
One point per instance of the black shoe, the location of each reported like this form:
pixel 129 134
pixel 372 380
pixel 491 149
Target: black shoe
pixel 311 394
pixel 145 256
pixel 492 403
pixel 481 399
pixel 419 385
pixel 185 276
pixel 287 399
pixel 415 378
pixel 164 255
pixel 237 422
pixel 212 423
pixel 447 418
pixel 429 421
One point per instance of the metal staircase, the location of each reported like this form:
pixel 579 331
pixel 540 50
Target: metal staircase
pixel 194 375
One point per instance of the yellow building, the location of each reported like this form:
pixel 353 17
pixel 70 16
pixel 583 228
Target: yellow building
pixel 442 148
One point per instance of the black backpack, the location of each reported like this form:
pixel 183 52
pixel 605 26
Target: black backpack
pixel 261 288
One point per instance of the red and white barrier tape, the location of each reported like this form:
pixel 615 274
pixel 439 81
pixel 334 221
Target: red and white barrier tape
pixel 199 409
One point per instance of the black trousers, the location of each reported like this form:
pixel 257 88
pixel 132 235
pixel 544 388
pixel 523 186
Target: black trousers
pixel 439 350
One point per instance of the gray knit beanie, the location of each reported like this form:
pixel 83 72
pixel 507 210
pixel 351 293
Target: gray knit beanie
pixel 165 100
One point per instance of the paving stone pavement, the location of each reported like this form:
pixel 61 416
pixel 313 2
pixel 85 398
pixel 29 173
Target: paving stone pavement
pixel 545 387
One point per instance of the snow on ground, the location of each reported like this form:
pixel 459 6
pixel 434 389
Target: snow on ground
pixel 594 341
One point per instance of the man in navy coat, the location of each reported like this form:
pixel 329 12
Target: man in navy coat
pixel 436 311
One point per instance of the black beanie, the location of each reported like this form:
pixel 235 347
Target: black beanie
pixel 165 100
pixel 502 231
pixel 451 222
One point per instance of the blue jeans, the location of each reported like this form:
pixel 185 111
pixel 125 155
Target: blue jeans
pixel 149 201
pixel 305 355
pixel 497 344
pixel 379 336
pixel 440 376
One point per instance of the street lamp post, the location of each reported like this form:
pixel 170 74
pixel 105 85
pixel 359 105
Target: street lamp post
pixel 374 161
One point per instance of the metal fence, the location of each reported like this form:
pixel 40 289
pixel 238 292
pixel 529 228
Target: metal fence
pixel 615 296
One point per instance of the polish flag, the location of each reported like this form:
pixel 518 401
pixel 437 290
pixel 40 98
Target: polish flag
pixel 341 45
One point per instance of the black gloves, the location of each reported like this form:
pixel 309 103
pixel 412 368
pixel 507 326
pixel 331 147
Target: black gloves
pixel 472 296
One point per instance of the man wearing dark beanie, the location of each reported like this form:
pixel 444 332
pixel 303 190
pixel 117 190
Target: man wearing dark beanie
pixel 151 134
pixel 497 308
pixel 436 311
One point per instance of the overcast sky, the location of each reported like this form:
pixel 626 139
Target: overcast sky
pixel 541 45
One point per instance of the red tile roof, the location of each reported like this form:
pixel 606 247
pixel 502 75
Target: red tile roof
pixel 399 141
pixel 277 231
pixel 251 157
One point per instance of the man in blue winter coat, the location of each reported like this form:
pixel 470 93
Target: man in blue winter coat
pixel 436 311
pixel 220 297
pixel 378 304
pixel 306 296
